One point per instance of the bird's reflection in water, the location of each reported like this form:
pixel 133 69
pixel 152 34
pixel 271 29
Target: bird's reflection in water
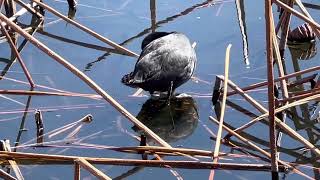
pixel 171 122
pixel 303 51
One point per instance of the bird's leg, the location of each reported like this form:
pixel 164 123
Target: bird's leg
pixel 172 120
pixel 170 92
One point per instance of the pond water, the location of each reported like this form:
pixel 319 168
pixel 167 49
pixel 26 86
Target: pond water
pixel 211 24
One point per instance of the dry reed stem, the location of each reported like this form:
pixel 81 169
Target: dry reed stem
pixel 285 29
pixel 80 43
pixel 85 79
pixel 282 125
pixel 222 111
pixel 23 92
pixel 86 118
pixel 264 83
pixel 278 57
pixel 301 96
pixel 306 13
pixel 17 14
pixel 297 14
pixel 5 175
pixel 29 8
pixel 46 93
pixel 270 75
pixel 21 47
pixel 61 159
pixel 76 171
pixel 93 170
pixel 302 80
pixel 86 29
pixel 156 149
pixel 51 134
pixel 17 54
pixel 13 164
pixel 278 110
pixel 281 21
pixel 259 149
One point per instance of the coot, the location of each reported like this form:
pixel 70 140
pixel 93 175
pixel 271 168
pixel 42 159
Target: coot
pixel 167 61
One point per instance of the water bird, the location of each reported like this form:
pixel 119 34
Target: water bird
pixel 166 62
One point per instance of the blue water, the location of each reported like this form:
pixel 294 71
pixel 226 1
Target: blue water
pixel 211 25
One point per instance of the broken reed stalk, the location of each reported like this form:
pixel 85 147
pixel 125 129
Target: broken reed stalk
pixel 222 111
pixel 85 79
pixel 271 102
pixel 17 54
pixel 39 125
pixel 259 149
pixel 86 118
pixel 264 83
pixel 93 170
pixel 86 29
pixel 25 158
pixel 6 145
pixel 153 15
pixel 297 14
pixel 282 125
pixel 6 176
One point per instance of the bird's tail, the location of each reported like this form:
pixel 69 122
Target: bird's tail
pixel 128 80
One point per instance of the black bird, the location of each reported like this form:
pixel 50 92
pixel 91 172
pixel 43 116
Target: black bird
pixel 167 61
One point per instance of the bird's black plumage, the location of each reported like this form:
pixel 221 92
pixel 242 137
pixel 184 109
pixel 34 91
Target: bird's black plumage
pixel 167 61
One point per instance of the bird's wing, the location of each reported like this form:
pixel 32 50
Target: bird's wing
pixel 149 66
